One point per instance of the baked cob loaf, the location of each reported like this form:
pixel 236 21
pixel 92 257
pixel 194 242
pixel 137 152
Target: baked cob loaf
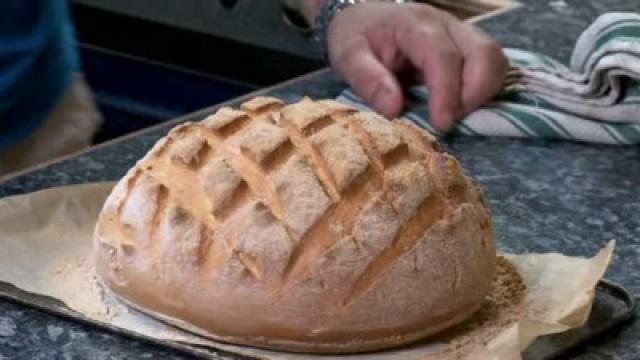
pixel 309 227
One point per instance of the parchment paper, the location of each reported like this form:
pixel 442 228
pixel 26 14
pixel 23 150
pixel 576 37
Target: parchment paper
pixel 46 249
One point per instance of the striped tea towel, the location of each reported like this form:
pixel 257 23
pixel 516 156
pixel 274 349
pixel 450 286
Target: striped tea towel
pixel 595 99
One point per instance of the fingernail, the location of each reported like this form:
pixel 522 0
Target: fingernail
pixel 383 100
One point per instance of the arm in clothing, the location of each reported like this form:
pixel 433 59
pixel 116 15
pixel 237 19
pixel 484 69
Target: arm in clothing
pixel 37 62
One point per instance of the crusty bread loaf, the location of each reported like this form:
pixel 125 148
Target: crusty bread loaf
pixel 309 227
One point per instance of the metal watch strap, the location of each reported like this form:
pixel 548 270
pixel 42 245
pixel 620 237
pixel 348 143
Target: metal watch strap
pixel 329 10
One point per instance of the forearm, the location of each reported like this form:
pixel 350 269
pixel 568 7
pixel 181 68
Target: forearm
pixel 308 8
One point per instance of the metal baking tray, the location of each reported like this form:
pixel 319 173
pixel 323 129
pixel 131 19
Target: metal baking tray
pixel 613 307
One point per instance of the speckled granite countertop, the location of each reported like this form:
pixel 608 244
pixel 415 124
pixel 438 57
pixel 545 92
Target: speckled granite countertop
pixel 546 196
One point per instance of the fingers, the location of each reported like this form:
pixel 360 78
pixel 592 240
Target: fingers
pixel 461 66
pixel 433 52
pixel 369 77
pixel 485 65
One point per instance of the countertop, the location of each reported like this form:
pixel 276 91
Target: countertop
pixel 546 196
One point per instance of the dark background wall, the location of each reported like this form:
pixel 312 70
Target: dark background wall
pixel 153 60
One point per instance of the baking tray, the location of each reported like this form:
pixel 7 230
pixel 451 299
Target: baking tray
pixel 613 307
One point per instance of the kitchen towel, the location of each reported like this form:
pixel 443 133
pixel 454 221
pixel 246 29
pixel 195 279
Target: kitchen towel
pixel 596 99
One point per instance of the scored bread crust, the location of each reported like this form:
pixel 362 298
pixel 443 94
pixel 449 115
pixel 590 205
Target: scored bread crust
pixel 309 227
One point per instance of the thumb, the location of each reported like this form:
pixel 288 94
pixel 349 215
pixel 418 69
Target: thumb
pixel 369 78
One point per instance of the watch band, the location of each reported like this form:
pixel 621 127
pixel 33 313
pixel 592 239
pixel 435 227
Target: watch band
pixel 329 10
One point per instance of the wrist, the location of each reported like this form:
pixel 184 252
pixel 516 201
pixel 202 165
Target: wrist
pixel 327 10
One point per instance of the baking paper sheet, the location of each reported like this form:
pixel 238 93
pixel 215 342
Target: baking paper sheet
pixel 46 249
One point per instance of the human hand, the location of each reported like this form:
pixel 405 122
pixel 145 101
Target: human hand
pixel 379 47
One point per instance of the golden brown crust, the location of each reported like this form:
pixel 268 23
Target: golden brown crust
pixel 308 227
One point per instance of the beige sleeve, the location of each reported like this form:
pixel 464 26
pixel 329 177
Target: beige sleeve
pixel 69 128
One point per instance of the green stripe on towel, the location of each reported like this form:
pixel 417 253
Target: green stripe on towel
pixel 533 106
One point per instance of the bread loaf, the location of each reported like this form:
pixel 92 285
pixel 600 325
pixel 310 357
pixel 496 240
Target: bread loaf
pixel 308 227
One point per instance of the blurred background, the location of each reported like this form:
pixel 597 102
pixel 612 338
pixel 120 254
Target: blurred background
pixel 148 61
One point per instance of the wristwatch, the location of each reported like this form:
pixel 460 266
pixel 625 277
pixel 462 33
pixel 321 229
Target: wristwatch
pixel 329 10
